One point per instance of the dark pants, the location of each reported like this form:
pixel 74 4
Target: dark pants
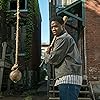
pixel 69 91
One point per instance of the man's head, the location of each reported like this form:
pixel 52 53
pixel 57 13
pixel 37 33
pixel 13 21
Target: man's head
pixel 57 25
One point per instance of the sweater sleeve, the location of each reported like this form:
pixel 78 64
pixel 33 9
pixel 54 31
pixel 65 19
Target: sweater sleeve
pixel 59 51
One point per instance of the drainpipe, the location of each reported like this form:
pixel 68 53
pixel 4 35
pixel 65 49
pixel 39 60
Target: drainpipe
pixel 85 55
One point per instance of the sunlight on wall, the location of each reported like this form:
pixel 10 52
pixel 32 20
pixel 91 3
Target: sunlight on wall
pixel 93 5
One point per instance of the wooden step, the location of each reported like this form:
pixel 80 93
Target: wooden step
pixel 56 91
pixel 85 93
pixel 51 85
pixel 57 98
pixel 84 98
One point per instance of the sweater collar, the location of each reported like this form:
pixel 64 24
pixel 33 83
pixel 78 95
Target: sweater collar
pixel 63 33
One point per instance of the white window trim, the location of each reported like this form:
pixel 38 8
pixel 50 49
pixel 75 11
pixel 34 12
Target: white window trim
pixel 22 10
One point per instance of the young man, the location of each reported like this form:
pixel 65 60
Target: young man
pixel 64 55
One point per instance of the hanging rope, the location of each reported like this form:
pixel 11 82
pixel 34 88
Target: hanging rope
pixel 15 75
pixel 17 33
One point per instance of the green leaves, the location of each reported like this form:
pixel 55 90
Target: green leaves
pixel 3 4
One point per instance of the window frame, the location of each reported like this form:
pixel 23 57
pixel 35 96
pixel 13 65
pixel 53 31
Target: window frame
pixel 13 10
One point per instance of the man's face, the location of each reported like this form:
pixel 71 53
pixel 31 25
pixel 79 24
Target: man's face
pixel 56 28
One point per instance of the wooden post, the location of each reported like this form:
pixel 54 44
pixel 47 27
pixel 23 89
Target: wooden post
pixel 1 76
pixel 4 46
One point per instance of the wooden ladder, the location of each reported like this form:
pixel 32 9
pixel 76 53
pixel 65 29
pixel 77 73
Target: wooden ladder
pixel 5 66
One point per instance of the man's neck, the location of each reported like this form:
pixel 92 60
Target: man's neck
pixel 61 33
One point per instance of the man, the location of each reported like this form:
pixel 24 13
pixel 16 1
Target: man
pixel 64 55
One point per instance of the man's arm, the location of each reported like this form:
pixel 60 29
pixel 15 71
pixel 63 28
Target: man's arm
pixel 59 51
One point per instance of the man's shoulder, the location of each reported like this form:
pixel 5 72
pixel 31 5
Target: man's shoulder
pixel 64 35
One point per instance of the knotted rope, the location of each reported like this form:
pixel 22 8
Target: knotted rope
pixel 15 75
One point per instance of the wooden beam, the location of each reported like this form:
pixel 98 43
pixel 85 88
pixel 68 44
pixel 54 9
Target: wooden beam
pixel 67 8
pixel 72 15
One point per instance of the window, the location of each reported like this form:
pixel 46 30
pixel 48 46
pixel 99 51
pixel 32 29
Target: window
pixel 63 3
pixel 13 5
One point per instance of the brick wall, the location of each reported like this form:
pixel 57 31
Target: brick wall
pixel 93 38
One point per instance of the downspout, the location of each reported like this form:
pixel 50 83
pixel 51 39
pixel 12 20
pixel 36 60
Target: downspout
pixel 85 55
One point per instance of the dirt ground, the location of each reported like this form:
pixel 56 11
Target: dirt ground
pixel 11 98
pixel 25 98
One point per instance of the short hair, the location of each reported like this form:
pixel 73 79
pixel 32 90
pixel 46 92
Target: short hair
pixel 58 19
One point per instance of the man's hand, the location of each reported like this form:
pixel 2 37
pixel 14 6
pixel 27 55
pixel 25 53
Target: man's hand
pixel 49 50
